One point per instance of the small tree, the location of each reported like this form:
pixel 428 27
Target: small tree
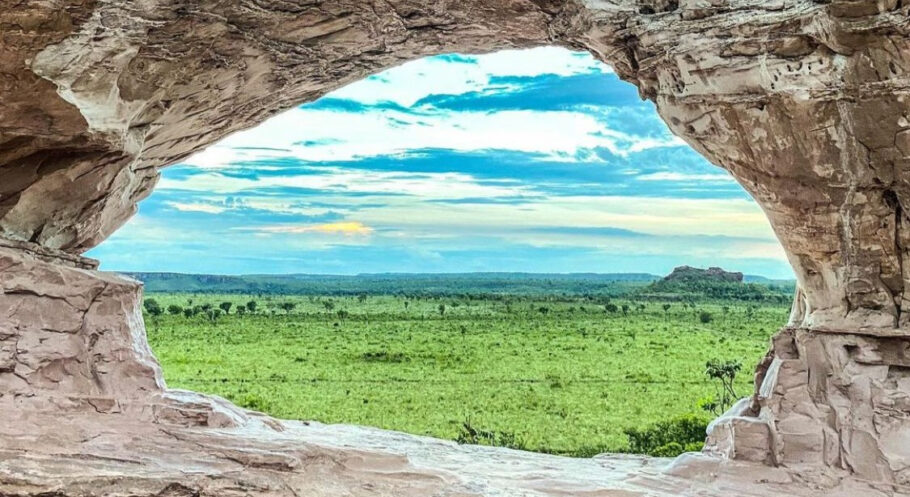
pixel 625 309
pixel 287 307
pixel 213 314
pixel 724 373
pixel 251 306
pixel 666 308
pixel 705 317
pixel 174 309
pixel 362 298
pixel 611 308
pixel 153 307
pixel 442 309
pixel 328 305
pixel 226 307
pixel 241 310
pixel 189 312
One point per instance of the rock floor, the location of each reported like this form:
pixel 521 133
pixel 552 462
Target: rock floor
pixel 115 455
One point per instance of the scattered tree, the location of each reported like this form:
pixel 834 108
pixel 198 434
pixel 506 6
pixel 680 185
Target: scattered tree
pixel 226 307
pixel 213 314
pixel 153 307
pixel 174 309
pixel 724 373
pixel 251 306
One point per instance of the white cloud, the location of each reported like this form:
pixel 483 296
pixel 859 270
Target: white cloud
pixel 338 180
pixel 410 82
pixel 671 176
pixel 557 134
pixel 197 207
pixel 346 228
pixel 384 131
pixel 656 216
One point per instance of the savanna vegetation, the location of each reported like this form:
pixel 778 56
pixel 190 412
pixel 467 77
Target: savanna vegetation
pixel 574 373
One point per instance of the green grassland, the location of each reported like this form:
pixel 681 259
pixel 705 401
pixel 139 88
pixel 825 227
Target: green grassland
pixel 559 374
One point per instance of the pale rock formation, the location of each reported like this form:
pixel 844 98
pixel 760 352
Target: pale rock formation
pixel 805 102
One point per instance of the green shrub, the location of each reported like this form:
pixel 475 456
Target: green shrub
pixel 469 434
pixel 669 438
pixel 252 402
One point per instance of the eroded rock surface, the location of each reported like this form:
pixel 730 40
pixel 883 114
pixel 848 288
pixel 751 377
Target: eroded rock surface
pixel 805 102
pixel 85 412
pixel 826 400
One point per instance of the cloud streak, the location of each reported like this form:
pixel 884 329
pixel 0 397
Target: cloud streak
pixel 347 228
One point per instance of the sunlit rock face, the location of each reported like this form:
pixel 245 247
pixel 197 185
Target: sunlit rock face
pixel 804 102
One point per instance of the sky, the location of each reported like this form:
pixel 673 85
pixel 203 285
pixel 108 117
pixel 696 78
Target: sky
pixel 532 161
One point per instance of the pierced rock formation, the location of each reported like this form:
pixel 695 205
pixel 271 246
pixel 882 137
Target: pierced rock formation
pixel 805 102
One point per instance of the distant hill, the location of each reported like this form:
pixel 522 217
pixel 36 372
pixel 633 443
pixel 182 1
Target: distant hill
pixel 611 285
pixel 399 283
pixel 687 282
pixel 694 274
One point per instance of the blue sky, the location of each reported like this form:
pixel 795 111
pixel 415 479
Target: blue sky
pixel 537 160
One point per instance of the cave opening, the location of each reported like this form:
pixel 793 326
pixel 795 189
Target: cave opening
pixel 511 163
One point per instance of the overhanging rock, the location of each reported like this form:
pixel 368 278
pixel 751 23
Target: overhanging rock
pixel 804 102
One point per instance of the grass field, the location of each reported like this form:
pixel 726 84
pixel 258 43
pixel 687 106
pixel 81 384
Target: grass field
pixel 559 375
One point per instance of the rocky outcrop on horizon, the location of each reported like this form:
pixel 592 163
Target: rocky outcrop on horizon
pixel 689 273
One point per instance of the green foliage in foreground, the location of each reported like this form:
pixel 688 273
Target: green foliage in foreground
pixel 669 438
pixel 570 376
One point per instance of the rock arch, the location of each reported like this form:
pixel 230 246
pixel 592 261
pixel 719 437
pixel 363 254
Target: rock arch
pixel 805 102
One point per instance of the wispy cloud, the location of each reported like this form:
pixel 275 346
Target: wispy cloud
pixel 683 177
pixel 197 207
pixel 338 180
pixel 347 228
pixel 554 134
